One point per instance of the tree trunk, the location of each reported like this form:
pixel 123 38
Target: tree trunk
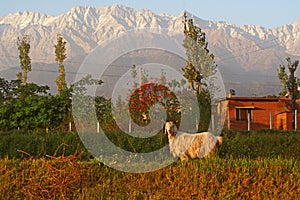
pixel 199 85
pixel 24 81
pixel 294 97
pixel 191 84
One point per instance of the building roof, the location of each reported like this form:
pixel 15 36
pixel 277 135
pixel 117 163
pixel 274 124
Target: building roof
pixel 253 99
pixel 285 103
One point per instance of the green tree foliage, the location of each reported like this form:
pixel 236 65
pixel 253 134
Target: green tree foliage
pixel 31 106
pixel 25 60
pixel 60 56
pixel 290 83
pixel 8 90
pixel 283 77
pixel 292 86
pixel 19 112
pixel 84 103
pixel 7 100
pixel 104 114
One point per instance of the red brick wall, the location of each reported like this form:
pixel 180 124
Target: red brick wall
pixel 280 122
pixel 260 114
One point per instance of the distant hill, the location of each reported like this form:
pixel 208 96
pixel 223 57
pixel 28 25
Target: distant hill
pixel 247 56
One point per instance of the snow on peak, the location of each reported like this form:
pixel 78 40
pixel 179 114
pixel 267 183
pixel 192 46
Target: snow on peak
pixel 25 19
pixel 85 27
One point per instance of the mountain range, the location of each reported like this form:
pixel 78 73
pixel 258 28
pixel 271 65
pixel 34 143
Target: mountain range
pixel 248 56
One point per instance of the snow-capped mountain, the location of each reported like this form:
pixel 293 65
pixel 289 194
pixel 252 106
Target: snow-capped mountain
pixel 247 53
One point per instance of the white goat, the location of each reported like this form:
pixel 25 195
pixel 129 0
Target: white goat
pixel 185 145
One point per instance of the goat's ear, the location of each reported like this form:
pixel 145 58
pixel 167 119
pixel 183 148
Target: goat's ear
pixel 164 128
pixel 165 131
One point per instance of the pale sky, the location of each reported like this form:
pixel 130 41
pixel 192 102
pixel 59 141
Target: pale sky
pixel 267 13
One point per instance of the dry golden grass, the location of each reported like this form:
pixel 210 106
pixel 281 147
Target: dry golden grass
pixel 214 178
pixel 56 177
pixel 249 166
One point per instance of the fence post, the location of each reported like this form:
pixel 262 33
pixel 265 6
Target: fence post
pixel 296 119
pixel 129 126
pixel 70 126
pixel 212 122
pixel 249 120
pixel 98 127
pixel 271 120
pixel 228 121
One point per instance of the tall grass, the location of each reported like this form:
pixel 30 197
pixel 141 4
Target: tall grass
pixel 264 143
pixel 39 144
pixel 238 144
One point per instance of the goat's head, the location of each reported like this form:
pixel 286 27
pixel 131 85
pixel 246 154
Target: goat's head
pixel 170 129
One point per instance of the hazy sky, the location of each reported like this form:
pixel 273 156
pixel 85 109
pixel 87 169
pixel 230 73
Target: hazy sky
pixel 267 13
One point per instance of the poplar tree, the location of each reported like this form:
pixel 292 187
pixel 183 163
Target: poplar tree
pixel 60 56
pixel 199 67
pixel 25 60
pixel 200 62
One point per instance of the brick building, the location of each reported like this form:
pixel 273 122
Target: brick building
pixel 264 113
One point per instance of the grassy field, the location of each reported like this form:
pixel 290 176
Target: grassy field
pixel 250 165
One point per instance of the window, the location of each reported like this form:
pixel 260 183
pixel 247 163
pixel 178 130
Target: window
pixel 242 114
